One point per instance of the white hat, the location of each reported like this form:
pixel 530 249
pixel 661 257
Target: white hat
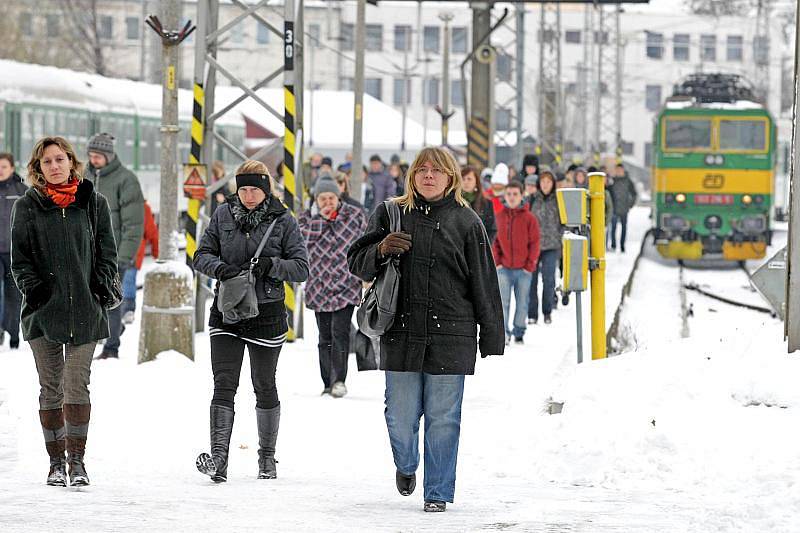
pixel 500 174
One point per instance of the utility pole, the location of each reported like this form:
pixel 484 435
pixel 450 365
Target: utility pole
pixel 761 45
pixel 357 177
pixel 168 308
pixel 550 95
pixel 792 324
pixel 406 92
pixel 480 131
pixel 520 85
pixel 444 110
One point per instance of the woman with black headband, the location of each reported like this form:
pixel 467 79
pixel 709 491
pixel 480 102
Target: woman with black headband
pixel 230 242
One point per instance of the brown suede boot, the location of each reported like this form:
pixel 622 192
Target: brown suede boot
pixel 54 434
pixel 77 426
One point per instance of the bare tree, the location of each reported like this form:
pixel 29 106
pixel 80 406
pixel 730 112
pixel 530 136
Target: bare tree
pixel 718 8
pixel 19 46
pixel 83 20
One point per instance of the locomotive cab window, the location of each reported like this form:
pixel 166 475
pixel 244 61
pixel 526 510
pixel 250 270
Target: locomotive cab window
pixel 743 135
pixel 687 134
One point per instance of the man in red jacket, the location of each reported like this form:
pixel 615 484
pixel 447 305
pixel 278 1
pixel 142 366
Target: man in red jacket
pixel 516 253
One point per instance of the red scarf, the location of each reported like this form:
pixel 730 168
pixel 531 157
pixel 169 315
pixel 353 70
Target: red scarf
pixel 62 194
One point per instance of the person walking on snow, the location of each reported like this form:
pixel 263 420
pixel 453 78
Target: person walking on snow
pixel 499 182
pixel 225 251
pixel 124 194
pixel 11 189
pixel 129 281
pixel 545 207
pixel 64 262
pixel 382 184
pixel 473 193
pixel 623 194
pixel 332 292
pixel 448 289
pixel 516 254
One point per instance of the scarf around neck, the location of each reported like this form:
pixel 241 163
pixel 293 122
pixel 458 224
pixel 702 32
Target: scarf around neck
pixel 249 219
pixel 62 194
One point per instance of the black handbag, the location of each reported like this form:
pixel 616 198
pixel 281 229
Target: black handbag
pixel 237 299
pixel 115 290
pixel 377 310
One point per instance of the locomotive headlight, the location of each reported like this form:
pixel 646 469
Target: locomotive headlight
pixel 680 198
pixel 709 159
pixel 719 160
pixel 747 199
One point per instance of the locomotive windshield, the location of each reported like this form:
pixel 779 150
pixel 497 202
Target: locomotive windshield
pixel 687 133
pixel 743 135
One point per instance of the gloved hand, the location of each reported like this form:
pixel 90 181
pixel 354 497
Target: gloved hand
pixel 263 267
pixel 37 296
pixel 225 272
pixel 395 243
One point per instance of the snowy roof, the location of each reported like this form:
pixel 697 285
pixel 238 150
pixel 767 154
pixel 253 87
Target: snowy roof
pixel 25 82
pixel 741 105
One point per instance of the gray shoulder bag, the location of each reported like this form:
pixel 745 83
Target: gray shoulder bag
pixel 237 299
pixel 377 310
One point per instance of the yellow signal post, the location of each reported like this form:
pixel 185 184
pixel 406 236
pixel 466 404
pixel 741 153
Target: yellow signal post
pixel 597 217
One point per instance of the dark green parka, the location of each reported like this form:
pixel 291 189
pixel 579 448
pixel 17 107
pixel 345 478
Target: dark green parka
pixel 121 189
pixel 62 270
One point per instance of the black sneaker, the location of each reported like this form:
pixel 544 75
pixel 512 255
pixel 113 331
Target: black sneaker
pixel 547 319
pixel 405 484
pixel 565 299
pixel 14 344
pixel 518 340
pixel 434 507
pixel 532 321
pixel 107 354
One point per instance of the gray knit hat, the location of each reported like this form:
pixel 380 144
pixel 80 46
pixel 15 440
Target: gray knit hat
pixel 532 179
pixel 326 184
pixel 102 143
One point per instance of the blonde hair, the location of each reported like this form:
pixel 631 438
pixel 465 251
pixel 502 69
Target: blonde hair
pixel 251 166
pixel 35 174
pixel 341 177
pixel 439 158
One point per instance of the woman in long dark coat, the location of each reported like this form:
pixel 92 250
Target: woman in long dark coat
pixel 473 193
pixel 226 249
pixel 448 290
pixel 64 261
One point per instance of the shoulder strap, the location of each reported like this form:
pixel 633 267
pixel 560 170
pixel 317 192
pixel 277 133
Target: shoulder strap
pixel 394 215
pixel 263 242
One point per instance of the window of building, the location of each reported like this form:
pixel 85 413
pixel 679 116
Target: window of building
pixel 51 23
pixel 430 91
pixel 105 28
pixel 680 46
pixel 456 95
pixel 373 38
pixel 374 87
pixel 652 98
pixel 26 24
pixel 402 91
pixel 132 28
pixel 598 36
pixel 504 67
pixel 402 38
pixel 655 45
pixel 314 34
pixel 573 36
pixel 237 33
pixel 735 48
pixel 761 49
pixel 627 148
pixel 430 39
pixel 459 40
pixel 572 87
pixel 346 84
pixel 708 47
pixel 346 36
pixel 262 33
pixel 648 154
pixel 502 118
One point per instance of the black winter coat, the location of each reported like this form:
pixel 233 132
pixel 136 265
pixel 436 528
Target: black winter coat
pixel 11 190
pixel 54 250
pixel 226 240
pixel 448 286
pixel 487 217
pixel 623 195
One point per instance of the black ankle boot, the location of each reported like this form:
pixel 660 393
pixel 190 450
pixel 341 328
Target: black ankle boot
pixel 268 421
pixel 216 464
pixel 405 484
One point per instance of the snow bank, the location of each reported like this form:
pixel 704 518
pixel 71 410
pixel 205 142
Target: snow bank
pixel 178 269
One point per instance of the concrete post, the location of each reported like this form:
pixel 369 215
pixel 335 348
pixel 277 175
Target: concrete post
pixel 792 324
pixel 168 308
pixel 357 176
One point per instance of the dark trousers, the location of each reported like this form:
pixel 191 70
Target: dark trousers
pixel 623 221
pixel 334 344
pixel 115 327
pixel 548 259
pixel 12 299
pixel 227 353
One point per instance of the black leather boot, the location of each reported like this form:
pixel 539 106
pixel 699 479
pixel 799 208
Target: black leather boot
pixel 216 464
pixel 405 484
pixel 268 421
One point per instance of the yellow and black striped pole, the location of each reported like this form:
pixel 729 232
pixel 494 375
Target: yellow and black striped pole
pixel 289 123
pixel 194 158
pixel 478 143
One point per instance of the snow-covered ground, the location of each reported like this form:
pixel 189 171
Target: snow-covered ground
pixel 699 434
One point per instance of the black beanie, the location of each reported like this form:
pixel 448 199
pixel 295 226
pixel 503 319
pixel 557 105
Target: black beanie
pixel 530 159
pixel 253 180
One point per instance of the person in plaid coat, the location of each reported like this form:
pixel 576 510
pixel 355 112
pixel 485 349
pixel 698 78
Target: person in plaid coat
pixel 332 292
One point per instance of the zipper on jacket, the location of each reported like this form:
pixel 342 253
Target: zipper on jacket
pixel 69 282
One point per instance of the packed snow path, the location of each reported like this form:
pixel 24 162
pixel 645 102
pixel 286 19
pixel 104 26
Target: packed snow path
pixel 655 441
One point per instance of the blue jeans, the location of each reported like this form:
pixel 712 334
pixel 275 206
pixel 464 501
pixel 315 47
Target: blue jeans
pixel 129 290
pixel 409 395
pixel 548 259
pixel 623 221
pixel 518 280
